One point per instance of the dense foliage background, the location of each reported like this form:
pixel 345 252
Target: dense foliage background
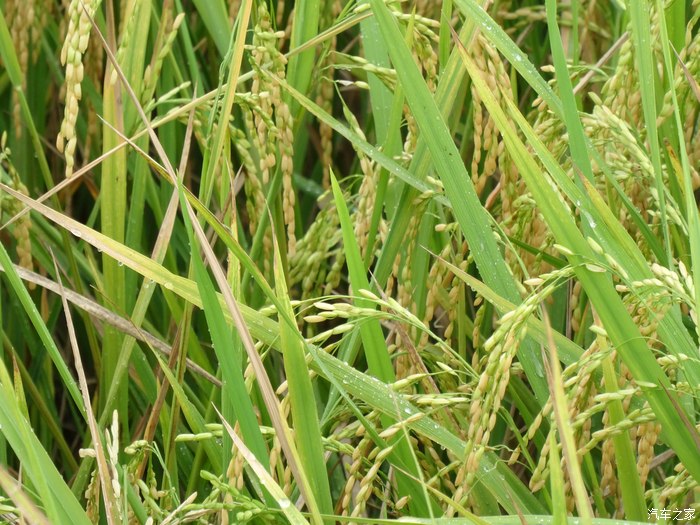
pixel 349 262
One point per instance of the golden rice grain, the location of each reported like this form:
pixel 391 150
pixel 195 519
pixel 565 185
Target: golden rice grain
pixel 74 47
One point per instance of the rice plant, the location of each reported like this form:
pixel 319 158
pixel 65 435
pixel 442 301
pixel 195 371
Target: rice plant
pixel 370 261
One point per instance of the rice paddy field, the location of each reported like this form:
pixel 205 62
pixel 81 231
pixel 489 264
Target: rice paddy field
pixel 355 262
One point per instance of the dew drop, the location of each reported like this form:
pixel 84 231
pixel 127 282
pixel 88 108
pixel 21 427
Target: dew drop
pixel 284 503
pixel 168 285
pixel 538 369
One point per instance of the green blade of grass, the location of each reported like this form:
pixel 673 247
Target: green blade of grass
pixel 268 393
pixel 133 50
pixel 11 64
pixel 141 305
pixel 60 505
pixel 193 416
pixel 511 51
pixel 13 489
pixel 288 509
pixel 102 467
pixel 381 97
pixel 112 213
pixel 40 404
pixel 498 37
pixel 304 29
pixel 504 485
pixel 301 397
pixel 630 484
pixel 622 330
pixel 467 209
pixel 235 55
pixel 376 351
pixel 447 100
pixel 377 394
pixel 375 348
pixel 613 238
pixel 564 429
pixel 229 362
pixel 445 33
pixel 556 481
pixel 40 327
pixel 577 141
pixel 470 214
pixel 215 18
pixel 691 210
pixel 647 71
